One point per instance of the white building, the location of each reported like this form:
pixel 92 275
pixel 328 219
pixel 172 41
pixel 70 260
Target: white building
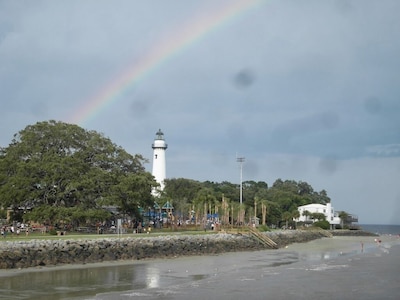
pixel 331 216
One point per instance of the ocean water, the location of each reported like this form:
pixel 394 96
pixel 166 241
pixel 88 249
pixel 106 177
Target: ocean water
pixel 329 268
pixel 382 229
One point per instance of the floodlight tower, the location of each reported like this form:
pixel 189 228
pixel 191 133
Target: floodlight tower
pixel 159 170
pixel 241 161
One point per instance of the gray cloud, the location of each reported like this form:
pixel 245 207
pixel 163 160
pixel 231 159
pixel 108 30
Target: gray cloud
pixel 313 84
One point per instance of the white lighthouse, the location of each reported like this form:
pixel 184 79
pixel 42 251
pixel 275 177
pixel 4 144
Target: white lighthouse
pixel 159 146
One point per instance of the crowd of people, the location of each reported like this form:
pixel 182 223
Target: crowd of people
pixel 14 230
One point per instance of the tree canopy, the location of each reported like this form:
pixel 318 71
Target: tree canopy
pixel 277 203
pixel 62 172
pixel 62 165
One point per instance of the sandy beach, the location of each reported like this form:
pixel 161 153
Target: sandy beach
pixel 328 268
pixel 331 268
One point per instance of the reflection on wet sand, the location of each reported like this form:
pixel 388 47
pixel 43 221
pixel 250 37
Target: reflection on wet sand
pixel 155 278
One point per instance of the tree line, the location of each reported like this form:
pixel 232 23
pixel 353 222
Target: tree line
pixel 53 172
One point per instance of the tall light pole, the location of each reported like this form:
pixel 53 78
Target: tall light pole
pixel 240 160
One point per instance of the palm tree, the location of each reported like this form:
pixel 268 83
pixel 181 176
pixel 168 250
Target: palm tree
pixel 225 205
pixel 343 218
pixel 318 216
pixel 235 207
pixel 286 216
pixel 307 214
pixel 295 215
pixel 204 198
pixel 264 208
pixel 250 213
pixel 263 203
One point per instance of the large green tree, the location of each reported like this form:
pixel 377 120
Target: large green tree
pixel 62 165
pixel 181 188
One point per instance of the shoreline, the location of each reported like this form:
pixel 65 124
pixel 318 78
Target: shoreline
pixel 298 271
pixel 50 253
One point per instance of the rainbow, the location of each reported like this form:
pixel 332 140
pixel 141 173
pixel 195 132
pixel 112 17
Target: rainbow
pixel 161 52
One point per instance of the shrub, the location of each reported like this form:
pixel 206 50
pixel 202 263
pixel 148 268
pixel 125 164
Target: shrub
pixel 263 228
pixel 322 224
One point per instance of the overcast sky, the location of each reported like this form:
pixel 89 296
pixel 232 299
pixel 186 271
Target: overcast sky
pixel 304 90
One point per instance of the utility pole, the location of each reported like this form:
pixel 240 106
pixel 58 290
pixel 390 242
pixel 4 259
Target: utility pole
pixel 240 160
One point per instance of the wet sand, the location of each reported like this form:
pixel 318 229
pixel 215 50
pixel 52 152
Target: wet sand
pixel 329 268
pixel 336 268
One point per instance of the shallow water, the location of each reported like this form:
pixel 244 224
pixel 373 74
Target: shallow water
pixel 337 268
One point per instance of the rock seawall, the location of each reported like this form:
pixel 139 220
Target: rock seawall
pixel 352 233
pixel 33 253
